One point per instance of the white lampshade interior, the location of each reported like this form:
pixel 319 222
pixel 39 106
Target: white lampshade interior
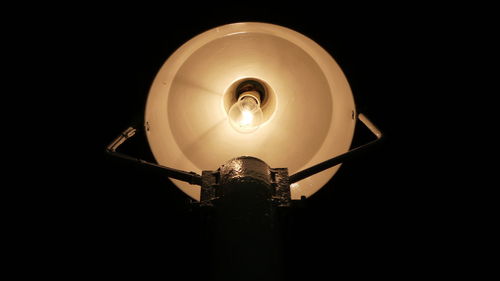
pixel 186 121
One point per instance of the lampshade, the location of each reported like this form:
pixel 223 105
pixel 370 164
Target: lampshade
pixel 309 112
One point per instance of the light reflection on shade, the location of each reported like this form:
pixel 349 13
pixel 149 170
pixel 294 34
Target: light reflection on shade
pixel 312 121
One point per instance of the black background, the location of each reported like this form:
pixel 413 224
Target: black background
pixel 377 217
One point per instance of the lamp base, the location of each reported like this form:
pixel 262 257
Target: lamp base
pixel 243 197
pixel 245 170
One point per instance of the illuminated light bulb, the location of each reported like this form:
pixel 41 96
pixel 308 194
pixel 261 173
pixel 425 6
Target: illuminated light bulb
pixel 245 116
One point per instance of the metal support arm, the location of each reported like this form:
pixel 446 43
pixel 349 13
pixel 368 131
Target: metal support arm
pixel 190 177
pixel 342 157
pixel 194 178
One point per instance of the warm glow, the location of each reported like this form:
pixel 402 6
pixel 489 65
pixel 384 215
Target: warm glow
pixel 245 116
pixel 307 113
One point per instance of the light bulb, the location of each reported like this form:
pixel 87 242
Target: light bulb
pixel 245 116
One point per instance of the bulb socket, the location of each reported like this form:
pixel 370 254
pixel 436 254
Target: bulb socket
pixel 251 86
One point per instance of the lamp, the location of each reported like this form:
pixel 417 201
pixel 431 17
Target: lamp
pixel 243 92
pixel 309 114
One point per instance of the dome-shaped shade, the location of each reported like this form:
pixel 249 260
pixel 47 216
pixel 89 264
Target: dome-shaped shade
pixel 312 116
